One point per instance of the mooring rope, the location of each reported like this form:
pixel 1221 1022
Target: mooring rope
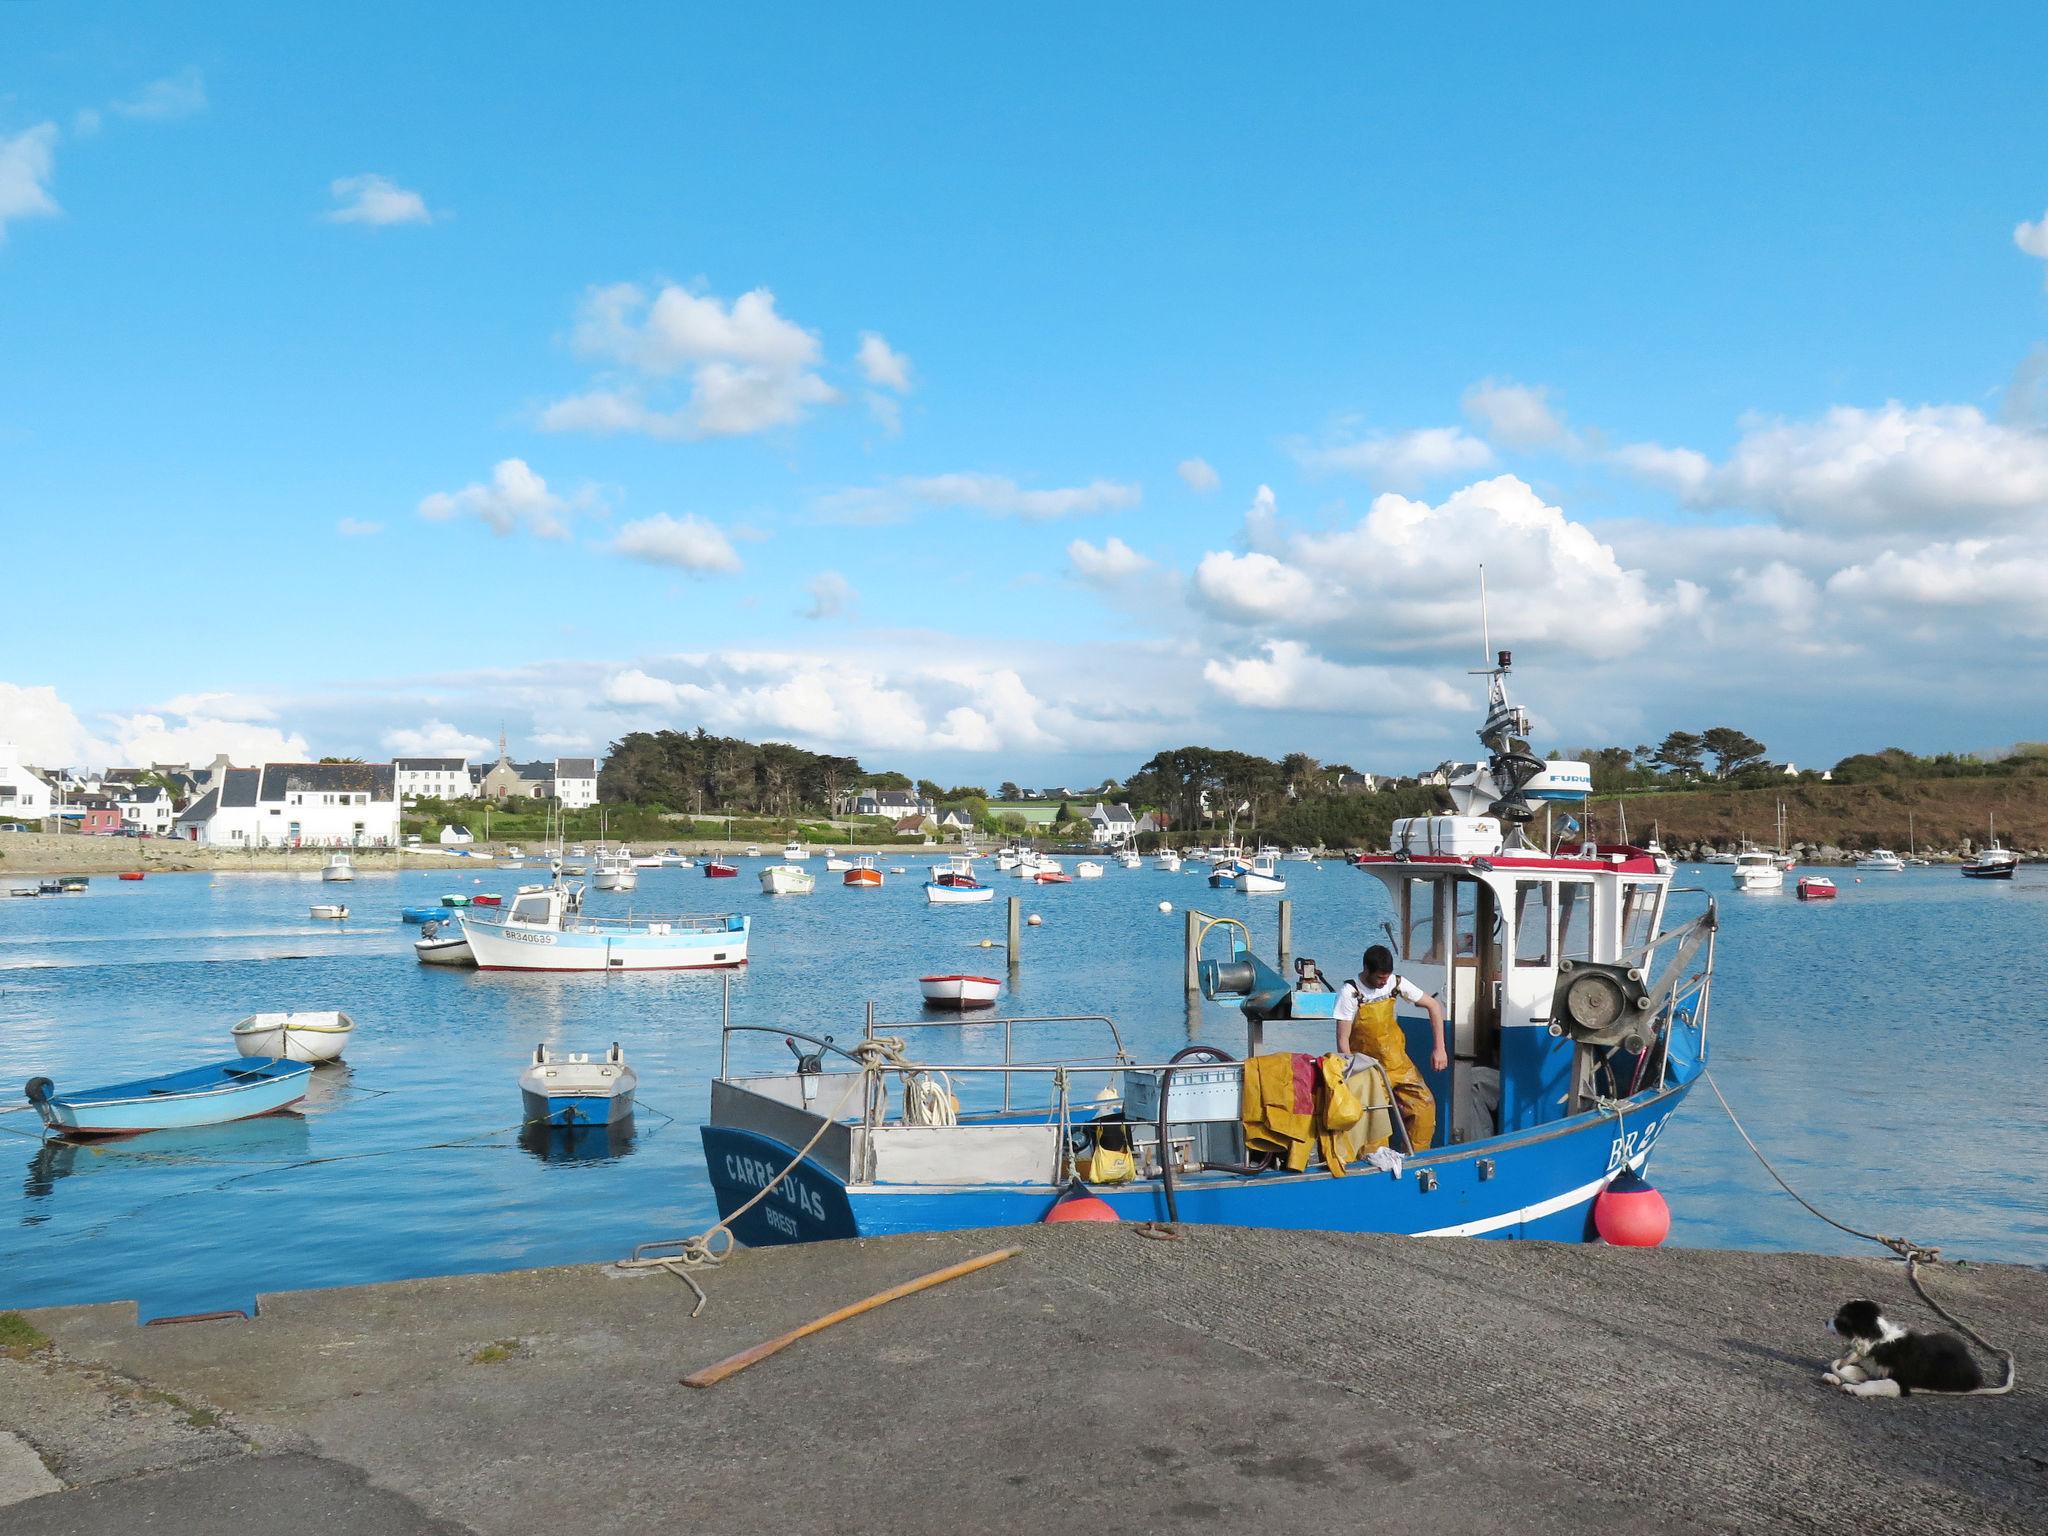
pixel 703 1250
pixel 1915 1254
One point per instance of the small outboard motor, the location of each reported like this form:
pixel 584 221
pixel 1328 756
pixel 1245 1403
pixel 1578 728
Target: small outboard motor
pixel 38 1090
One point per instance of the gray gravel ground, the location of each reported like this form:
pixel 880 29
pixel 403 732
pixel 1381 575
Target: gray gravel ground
pixel 1295 1381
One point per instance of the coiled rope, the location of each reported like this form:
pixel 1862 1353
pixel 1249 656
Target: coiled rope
pixel 710 1248
pixel 1915 1254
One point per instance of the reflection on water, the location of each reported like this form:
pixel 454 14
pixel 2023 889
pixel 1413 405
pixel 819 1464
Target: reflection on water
pixel 578 1143
pixel 409 1159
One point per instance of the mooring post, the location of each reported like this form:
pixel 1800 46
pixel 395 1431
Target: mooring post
pixel 1014 931
pixel 1286 933
pixel 1193 945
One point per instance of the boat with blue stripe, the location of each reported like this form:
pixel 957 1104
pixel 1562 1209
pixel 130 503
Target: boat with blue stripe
pixel 1575 1022
pixel 237 1089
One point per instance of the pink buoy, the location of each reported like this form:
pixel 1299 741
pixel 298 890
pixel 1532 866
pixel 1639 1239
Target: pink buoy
pixel 1629 1213
pixel 1078 1205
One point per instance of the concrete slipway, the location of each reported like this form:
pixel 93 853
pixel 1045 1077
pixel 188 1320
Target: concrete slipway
pixel 1236 1381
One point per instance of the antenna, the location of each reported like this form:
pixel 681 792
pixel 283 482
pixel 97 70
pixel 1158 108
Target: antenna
pixel 1485 635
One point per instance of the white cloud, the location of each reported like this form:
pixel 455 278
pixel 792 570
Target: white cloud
pixel 516 498
pixel 1002 497
pixel 1405 459
pixel 688 543
pixel 2033 238
pixel 27 162
pixel 1287 675
pixel 1198 475
pixel 2002 581
pixel 748 367
pixel 174 96
pixel 887 411
pixel 150 738
pixel 1517 415
pixel 220 706
pixel 636 689
pixel 1105 565
pixel 43 729
pixel 355 528
pixel 881 364
pixel 1680 469
pixel 436 738
pixel 1932 467
pixel 1255 586
pixel 85 122
pixel 832 596
pixel 375 200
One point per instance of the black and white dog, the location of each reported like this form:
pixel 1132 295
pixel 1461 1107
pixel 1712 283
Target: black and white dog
pixel 1885 1360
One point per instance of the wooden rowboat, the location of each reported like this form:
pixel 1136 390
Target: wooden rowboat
pixel 959 991
pixel 237 1089
pixel 313 1036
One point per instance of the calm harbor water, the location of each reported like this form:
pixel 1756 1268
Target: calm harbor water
pixel 1884 1049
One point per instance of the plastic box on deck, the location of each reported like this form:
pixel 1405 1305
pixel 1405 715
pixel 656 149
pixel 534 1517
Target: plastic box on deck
pixel 1461 837
pixel 1199 1094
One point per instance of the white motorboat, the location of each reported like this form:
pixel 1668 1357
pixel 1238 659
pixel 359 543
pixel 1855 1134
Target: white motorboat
pixel 1007 858
pixel 788 880
pixel 332 910
pixel 1992 862
pixel 1301 855
pixel 569 1089
pixel 314 1036
pixel 1719 858
pixel 1169 861
pixel 1129 859
pixel 648 861
pixel 615 871
pixel 959 991
pixel 753 850
pixel 1088 869
pixel 1882 859
pixel 1261 876
pixel 339 867
pixel 835 862
pixel 969 895
pixel 543 931
pixel 794 852
pixel 1757 870
pixel 442 944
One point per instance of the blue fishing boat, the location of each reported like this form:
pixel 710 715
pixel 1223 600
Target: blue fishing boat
pixel 564 1089
pixel 544 929
pixel 1575 1023
pixel 237 1089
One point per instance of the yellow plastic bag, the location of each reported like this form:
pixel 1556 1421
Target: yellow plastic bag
pixel 1111 1165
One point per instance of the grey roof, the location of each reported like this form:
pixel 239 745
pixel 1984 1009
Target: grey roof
pixel 535 771
pixel 904 798
pixel 201 809
pixel 432 764
pixel 143 794
pixel 1117 812
pixel 281 779
pixel 576 768
pixel 240 787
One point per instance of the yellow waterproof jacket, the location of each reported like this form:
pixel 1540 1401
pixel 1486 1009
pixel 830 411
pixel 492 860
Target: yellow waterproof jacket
pixel 1272 1123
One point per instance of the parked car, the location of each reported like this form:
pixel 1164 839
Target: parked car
pixel 16 826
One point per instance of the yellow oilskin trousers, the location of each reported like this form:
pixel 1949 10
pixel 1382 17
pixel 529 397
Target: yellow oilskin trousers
pixel 1375 1033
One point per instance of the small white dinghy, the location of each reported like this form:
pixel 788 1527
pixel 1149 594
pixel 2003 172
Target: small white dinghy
pixel 443 944
pixel 316 1036
pixel 339 867
pixel 330 909
pixel 1088 869
pixel 569 1090
pixel 959 991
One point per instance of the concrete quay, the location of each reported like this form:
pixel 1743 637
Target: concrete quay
pixel 1232 1381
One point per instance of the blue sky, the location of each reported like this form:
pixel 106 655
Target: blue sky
pixel 372 379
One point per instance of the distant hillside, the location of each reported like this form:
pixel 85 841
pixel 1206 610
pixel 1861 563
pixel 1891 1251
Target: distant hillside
pixel 1945 814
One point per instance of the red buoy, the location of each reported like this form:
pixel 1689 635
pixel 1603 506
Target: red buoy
pixel 1078 1205
pixel 1629 1213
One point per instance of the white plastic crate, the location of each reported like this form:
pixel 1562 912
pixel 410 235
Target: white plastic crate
pixel 1199 1094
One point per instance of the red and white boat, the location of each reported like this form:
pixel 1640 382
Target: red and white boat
pixel 959 991
pixel 863 875
pixel 487 901
pixel 717 870
pixel 1816 888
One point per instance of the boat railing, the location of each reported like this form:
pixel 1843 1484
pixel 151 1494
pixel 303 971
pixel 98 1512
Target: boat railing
pixel 687 922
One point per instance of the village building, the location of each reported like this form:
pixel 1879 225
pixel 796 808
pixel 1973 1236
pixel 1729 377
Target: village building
pixel 436 778
pixel 576 782
pixel 297 805
pixel 24 793
pixel 1111 826
pixel 144 808
pixel 455 835
pixel 96 816
pixel 892 803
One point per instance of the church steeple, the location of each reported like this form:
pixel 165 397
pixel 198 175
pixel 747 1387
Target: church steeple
pixel 503 755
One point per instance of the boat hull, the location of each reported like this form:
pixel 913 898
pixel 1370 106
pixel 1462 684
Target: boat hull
pixel 1534 1184
pixel 1988 871
pixel 237 1089
pixel 787 880
pixel 959 991
pixel 308 1037
pixel 443 950
pixel 958 895
pixel 504 948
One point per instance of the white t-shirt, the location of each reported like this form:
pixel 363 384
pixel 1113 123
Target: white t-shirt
pixel 1355 991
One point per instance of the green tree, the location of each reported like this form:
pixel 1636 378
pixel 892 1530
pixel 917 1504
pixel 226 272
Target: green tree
pixel 1682 752
pixel 1732 750
pixel 1009 789
pixel 928 789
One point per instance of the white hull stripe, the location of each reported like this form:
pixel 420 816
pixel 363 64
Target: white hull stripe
pixel 1541 1208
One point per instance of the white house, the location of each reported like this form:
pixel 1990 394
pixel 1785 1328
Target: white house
pixel 24 793
pixel 576 782
pixel 893 803
pixel 144 806
pixel 1111 826
pixel 297 805
pixel 439 778
pixel 454 836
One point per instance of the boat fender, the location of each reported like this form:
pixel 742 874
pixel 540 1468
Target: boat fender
pixel 1630 1213
pixel 39 1090
pixel 1077 1204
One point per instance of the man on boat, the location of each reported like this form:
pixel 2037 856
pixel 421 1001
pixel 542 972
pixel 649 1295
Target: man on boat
pixel 1366 1026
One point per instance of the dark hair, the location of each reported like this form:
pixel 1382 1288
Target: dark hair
pixel 1379 960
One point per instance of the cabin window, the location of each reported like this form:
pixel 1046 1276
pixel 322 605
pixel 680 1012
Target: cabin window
pixel 530 909
pixel 1418 920
pixel 1532 922
pixel 1575 920
pixel 1638 914
pixel 1465 919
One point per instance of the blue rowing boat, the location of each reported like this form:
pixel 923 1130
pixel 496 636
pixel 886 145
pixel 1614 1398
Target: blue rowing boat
pixel 236 1089
pixel 422 914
